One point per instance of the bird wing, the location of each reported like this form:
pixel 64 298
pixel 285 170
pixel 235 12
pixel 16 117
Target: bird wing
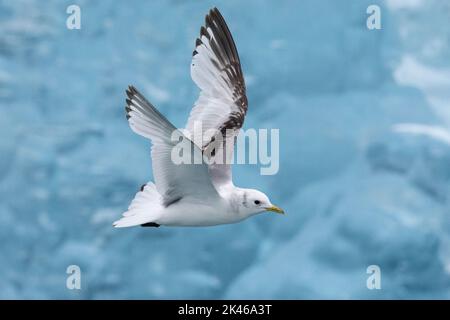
pixel 222 103
pixel 173 181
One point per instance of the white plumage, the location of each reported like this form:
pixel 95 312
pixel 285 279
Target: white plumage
pixel 196 194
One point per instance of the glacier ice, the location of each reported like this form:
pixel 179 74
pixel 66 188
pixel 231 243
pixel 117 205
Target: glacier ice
pixel 356 191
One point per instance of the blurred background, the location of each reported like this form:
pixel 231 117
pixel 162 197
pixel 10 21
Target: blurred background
pixel 364 118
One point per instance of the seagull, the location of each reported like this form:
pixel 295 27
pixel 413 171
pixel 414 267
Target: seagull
pixel 200 193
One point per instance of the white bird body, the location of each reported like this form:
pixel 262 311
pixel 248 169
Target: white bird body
pixel 225 209
pixel 201 213
pixel 197 193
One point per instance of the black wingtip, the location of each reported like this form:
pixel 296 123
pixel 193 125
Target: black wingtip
pixel 215 10
pixel 127 106
pixel 215 13
pixel 208 18
pixel 198 42
pixel 129 92
pixel 150 224
pixel 203 32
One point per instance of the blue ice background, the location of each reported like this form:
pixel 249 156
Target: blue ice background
pixel 365 150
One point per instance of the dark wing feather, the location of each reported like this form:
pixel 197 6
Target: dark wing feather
pixel 222 104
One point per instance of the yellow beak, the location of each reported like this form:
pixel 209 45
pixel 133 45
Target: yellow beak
pixel 275 209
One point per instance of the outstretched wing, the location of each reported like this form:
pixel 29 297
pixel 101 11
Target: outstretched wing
pixel 222 104
pixel 173 181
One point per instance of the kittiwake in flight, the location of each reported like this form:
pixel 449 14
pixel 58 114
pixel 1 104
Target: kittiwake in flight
pixel 200 193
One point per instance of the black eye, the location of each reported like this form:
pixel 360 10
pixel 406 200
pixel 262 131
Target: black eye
pixel 257 202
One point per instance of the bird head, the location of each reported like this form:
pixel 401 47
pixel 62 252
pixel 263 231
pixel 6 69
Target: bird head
pixel 256 201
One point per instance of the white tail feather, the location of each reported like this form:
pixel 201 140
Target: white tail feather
pixel 144 208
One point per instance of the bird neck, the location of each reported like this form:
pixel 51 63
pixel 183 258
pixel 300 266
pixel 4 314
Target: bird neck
pixel 238 202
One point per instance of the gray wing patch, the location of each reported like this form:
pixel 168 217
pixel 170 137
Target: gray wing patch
pixel 224 48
